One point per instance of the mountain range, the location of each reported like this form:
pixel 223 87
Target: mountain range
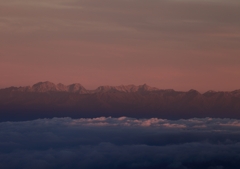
pixel 48 100
pixel 78 88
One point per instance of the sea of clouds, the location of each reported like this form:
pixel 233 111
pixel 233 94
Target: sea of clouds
pixel 120 143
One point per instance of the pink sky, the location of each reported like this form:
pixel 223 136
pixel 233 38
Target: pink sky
pixel 179 44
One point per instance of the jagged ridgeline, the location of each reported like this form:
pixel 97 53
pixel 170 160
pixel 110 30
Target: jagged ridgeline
pixel 78 88
pixel 47 100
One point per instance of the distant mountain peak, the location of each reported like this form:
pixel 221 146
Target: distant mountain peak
pixel 125 88
pixel 193 91
pixel 77 88
pixel 145 87
pixel 44 87
pixel 46 83
pixel 106 88
pixel 60 85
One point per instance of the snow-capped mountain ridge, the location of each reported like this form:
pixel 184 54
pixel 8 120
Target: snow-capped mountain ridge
pixel 48 100
pixel 78 88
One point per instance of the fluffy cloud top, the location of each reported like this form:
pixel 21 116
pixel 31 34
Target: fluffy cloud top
pixel 120 143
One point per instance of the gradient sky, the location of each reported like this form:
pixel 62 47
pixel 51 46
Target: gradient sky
pixel 179 44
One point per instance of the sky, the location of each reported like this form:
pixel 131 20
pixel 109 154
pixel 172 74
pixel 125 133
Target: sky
pixel 178 44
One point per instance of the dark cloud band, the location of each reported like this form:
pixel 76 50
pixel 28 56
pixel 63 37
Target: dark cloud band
pixel 120 143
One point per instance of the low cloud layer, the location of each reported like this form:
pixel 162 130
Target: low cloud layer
pixel 120 143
